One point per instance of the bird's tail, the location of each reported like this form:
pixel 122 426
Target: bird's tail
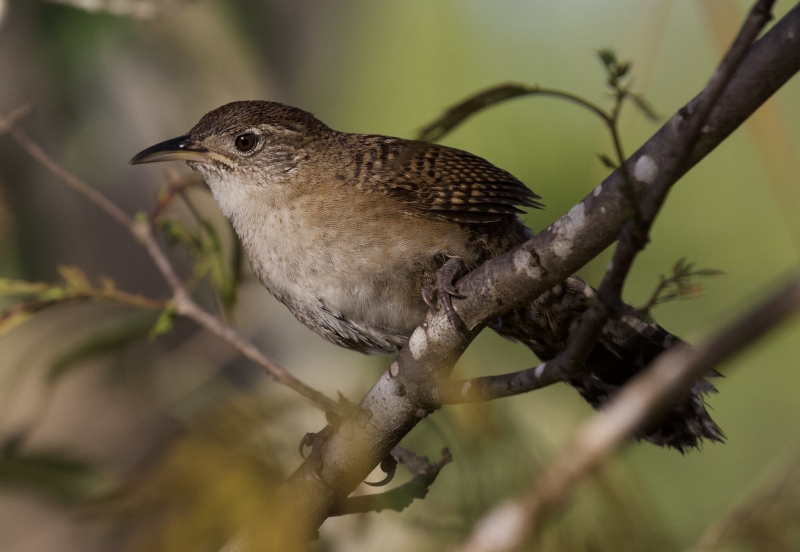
pixel 626 345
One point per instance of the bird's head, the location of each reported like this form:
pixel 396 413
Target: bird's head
pixel 243 144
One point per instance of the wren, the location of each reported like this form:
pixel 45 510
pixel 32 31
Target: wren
pixel 358 235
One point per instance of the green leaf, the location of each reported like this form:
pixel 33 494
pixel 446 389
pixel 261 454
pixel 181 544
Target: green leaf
pixel 177 232
pixel 165 322
pixel 75 279
pixel 608 57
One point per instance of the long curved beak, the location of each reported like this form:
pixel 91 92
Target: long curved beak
pixel 181 148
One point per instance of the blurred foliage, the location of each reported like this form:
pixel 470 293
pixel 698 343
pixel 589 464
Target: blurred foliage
pixel 75 287
pixel 104 342
pixel 107 86
pixel 768 521
pixel 55 473
pixel 215 484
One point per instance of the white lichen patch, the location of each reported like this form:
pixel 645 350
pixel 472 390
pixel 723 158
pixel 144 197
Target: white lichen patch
pixel 539 370
pixel 635 323
pixel 522 263
pixel 597 191
pixel 566 228
pixel 418 344
pixel 645 170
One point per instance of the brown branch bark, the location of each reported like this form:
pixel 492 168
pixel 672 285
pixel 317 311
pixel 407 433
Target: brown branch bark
pixel 397 401
pixel 639 403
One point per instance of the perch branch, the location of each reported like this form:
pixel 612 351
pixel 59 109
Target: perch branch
pixel 515 278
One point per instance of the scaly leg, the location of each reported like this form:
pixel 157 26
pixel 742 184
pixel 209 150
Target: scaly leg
pixel 451 271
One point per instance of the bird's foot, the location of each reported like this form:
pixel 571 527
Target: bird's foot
pixel 443 289
pixel 314 441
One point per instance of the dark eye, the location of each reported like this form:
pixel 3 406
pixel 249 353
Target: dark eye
pixel 246 142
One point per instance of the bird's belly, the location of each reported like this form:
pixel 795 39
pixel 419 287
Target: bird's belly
pixel 350 287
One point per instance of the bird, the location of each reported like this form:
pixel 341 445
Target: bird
pixel 359 235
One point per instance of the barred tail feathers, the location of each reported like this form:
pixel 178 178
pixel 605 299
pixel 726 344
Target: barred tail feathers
pixel 625 347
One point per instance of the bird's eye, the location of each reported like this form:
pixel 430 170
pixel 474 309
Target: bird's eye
pixel 246 142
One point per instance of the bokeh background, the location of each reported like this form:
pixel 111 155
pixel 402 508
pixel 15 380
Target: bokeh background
pixel 126 444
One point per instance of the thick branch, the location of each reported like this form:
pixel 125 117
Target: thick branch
pixel 638 404
pixel 520 275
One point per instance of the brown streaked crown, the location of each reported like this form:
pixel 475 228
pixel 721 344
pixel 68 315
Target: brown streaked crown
pixel 237 116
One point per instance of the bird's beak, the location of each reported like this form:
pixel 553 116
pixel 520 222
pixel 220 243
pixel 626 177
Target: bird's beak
pixel 181 148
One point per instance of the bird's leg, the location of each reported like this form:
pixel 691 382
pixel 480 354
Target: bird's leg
pixel 453 269
pixel 314 441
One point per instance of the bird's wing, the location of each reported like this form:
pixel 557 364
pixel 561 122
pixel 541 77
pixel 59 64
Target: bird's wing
pixel 443 182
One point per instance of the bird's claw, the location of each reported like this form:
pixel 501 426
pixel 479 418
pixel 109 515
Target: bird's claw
pixel 389 467
pixel 445 291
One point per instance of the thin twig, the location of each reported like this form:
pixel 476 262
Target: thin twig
pixel 65 176
pixel 457 114
pixel 638 404
pixel 634 235
pixel 184 304
pixel 14 117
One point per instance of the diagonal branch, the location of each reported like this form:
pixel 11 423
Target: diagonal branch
pixel 638 404
pixel 517 277
pixel 181 299
pixel 633 237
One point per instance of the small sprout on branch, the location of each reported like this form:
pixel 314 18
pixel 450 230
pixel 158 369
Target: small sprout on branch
pixel 210 261
pixel 681 285
pixel 165 321
pixel 76 286
pixel 615 69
